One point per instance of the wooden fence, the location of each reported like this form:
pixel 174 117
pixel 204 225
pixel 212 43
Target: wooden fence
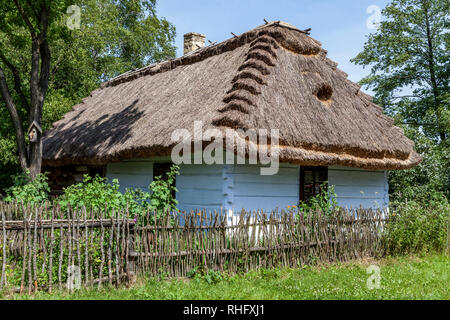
pixel 45 247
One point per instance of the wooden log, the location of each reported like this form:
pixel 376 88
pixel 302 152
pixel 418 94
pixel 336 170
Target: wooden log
pixel 4 248
pixel 63 223
pixel 50 263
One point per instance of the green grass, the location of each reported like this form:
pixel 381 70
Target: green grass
pixel 425 277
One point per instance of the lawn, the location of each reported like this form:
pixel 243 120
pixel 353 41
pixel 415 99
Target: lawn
pixel 426 277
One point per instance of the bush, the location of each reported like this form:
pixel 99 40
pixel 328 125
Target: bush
pixel 162 198
pixel 415 227
pixel 210 276
pixel 92 193
pixel 325 201
pixel 430 177
pixel 27 190
pixel 97 194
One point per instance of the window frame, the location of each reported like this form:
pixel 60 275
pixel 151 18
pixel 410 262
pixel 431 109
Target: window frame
pixel 163 168
pixel 316 174
pixel 93 171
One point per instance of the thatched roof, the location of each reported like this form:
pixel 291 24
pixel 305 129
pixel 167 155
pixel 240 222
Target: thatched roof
pixel 274 76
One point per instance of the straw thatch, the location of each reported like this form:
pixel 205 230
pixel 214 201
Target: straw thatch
pixel 274 76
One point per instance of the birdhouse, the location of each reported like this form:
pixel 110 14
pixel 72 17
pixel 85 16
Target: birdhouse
pixel 33 131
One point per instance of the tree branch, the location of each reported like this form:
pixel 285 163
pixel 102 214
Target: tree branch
pixel 17 121
pixel 17 81
pixel 44 51
pixel 25 18
pixel 420 124
pixel 45 68
pixel 406 96
pixel 34 80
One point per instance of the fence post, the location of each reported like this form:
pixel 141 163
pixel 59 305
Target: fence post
pixel 131 263
pixel 4 242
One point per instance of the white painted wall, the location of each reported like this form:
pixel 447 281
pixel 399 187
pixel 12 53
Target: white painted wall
pixel 237 187
pixel 200 187
pixel 253 191
pixel 136 174
pixel 356 187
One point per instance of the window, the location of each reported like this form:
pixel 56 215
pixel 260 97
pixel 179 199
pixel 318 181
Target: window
pixel 161 169
pixel 311 179
pixel 94 171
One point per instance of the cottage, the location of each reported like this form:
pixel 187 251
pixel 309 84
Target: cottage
pixel 276 78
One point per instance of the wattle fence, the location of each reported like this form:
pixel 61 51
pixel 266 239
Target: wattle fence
pixel 45 247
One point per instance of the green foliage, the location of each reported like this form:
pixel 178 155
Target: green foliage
pixel 94 194
pixel 325 201
pixel 430 179
pixel 97 194
pixel 409 59
pixel 162 198
pixel 401 278
pixel 27 190
pixel 417 228
pixel 268 274
pixel 114 37
pixel 210 276
pixel 409 56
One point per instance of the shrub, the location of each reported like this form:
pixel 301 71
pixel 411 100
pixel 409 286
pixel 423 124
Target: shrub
pixel 210 276
pixel 97 194
pixel 415 227
pixel 162 198
pixel 27 190
pixel 325 201
pixel 94 194
pixel 430 177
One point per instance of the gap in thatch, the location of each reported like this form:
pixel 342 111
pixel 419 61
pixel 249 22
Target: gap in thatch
pixel 324 93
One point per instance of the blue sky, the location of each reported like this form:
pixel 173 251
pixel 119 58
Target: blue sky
pixel 339 24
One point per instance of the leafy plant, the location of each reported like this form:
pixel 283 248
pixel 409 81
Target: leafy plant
pixel 429 179
pixel 325 201
pixel 408 57
pixel 27 190
pixel 417 228
pixel 210 276
pixel 97 194
pixel 162 198
pixel 94 194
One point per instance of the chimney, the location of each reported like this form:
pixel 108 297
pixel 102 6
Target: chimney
pixel 193 41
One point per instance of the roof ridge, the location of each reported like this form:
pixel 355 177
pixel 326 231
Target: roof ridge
pixel 200 54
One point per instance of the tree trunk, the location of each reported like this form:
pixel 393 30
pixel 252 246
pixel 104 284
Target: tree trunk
pixel 431 67
pixel 30 157
pixel 17 121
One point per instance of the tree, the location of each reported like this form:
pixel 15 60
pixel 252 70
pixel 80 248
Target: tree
pixel 36 18
pixel 114 36
pixel 409 57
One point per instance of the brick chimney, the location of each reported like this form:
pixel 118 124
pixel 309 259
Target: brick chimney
pixel 193 41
